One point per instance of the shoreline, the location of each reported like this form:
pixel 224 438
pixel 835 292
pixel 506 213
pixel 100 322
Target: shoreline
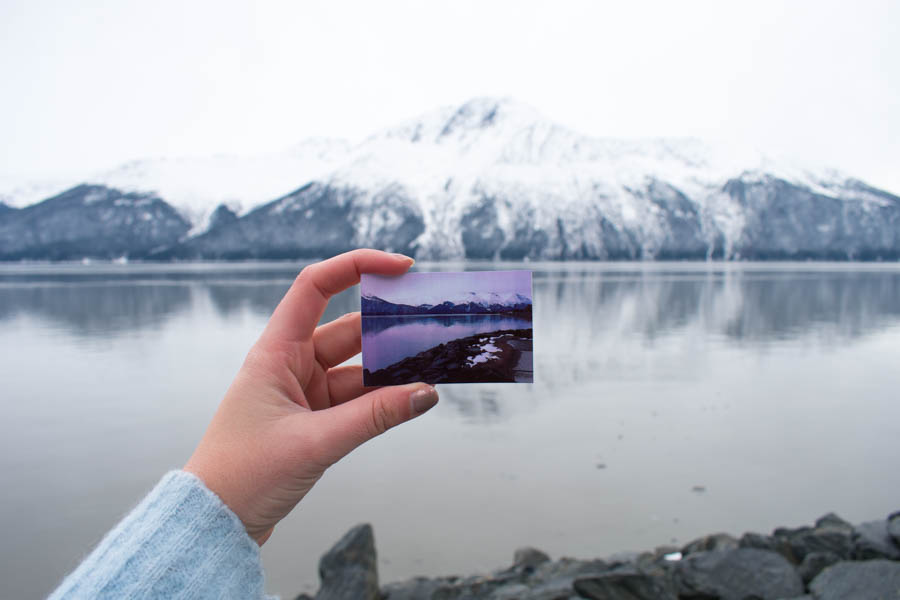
pixel 490 357
pixel 830 560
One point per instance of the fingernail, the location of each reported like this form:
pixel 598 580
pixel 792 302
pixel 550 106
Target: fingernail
pixel 411 260
pixel 422 399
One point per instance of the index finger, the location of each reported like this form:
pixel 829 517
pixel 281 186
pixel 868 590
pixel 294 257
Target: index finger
pixel 296 316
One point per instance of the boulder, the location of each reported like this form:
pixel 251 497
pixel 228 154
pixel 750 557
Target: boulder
pixel 821 539
pixel 476 587
pixel 756 540
pixel 418 588
pixel 894 527
pixel 568 569
pixel 716 541
pixel 834 521
pixel 737 575
pixel 862 580
pixel 624 586
pixel 831 534
pixel 529 558
pixel 872 540
pixel 554 590
pixel 349 571
pixel 814 562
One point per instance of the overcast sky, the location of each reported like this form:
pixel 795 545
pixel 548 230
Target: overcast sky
pixel 87 85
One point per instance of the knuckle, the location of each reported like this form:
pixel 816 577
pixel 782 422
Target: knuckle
pixel 381 417
pixel 304 274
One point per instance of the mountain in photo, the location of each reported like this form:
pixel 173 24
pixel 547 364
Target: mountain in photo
pixel 490 179
pixel 467 303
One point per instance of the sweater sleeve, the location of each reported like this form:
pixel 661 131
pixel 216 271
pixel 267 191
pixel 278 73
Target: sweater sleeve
pixel 181 541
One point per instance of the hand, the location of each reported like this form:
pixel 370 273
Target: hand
pixel 290 412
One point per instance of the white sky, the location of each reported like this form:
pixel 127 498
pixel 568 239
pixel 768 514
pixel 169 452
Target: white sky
pixel 87 85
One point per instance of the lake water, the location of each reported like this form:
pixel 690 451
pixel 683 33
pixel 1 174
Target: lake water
pixel 773 387
pixel 386 340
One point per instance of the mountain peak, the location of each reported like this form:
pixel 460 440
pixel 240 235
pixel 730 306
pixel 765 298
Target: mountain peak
pixel 466 120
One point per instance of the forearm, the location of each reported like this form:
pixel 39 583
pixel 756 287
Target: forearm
pixel 181 541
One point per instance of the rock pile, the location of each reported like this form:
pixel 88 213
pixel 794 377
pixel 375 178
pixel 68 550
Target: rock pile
pixel 829 561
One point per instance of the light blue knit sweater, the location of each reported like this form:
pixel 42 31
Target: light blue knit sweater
pixel 181 541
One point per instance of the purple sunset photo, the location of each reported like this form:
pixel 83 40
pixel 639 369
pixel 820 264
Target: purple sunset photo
pixel 465 327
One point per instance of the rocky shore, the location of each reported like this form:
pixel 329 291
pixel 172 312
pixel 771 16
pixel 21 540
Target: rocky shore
pixel 498 356
pixel 830 560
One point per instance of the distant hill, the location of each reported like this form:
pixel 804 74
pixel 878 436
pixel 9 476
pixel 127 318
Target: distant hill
pixel 490 179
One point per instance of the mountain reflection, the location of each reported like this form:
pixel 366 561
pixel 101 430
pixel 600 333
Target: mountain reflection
pixel 92 310
pixel 593 323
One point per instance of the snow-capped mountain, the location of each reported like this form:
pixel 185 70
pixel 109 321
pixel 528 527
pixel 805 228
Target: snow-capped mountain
pixel 459 304
pixel 494 179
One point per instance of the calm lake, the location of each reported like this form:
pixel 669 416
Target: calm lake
pixel 670 401
pixel 386 340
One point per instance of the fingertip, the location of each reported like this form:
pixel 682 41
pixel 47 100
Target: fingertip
pixel 422 399
pixel 407 259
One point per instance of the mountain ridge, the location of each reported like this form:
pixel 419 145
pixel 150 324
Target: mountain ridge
pixel 492 179
pixel 373 305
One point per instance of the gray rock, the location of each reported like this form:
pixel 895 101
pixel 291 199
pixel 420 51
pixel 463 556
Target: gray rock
pixel 476 587
pixel 554 590
pixel 349 571
pixel 624 586
pixel 568 569
pixel 756 540
pixel 832 520
pixel 515 591
pixel 894 527
pixel 737 575
pixel 716 541
pixel 814 562
pixel 623 558
pixel 863 580
pixel 872 540
pixel 529 558
pixel 418 588
pixel 836 540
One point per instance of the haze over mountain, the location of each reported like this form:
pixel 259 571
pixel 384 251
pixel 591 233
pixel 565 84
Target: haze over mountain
pixel 488 179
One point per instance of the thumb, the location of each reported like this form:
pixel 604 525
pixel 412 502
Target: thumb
pixel 348 425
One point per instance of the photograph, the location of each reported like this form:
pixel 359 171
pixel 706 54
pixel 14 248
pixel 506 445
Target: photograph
pixel 470 327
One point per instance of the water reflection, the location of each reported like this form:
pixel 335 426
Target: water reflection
pixel 387 340
pixel 569 305
pixel 590 322
pixel 96 310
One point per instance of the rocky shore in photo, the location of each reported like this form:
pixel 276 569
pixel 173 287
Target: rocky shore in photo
pixel 497 356
pixel 830 560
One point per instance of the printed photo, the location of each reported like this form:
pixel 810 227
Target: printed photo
pixel 470 327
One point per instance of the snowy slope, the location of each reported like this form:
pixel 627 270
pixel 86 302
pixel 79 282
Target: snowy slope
pixel 493 178
pixel 196 186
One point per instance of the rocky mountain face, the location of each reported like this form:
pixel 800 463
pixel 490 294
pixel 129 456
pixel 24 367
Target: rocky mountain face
pixel 490 179
pixel 90 221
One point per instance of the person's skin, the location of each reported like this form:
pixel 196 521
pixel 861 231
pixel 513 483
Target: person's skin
pixel 290 412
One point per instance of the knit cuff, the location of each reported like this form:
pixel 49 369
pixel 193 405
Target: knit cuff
pixel 181 541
